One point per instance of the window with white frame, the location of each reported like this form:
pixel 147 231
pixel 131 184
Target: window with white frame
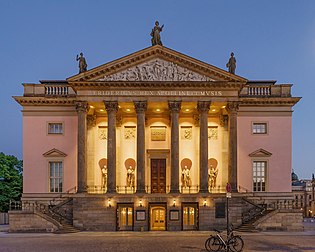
pixel 55 176
pixel 259 128
pixel 259 176
pixel 55 128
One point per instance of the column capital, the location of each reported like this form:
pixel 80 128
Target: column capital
pixel 232 107
pixel 203 106
pixel 91 120
pixel 82 106
pixel 174 106
pixel 111 106
pixel 140 106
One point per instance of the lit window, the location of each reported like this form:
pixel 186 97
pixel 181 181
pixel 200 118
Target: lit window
pixel 259 128
pixel 259 176
pixel 55 176
pixel 55 128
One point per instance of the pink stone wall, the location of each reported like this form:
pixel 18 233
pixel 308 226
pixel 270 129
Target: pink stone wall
pixel 278 141
pixel 36 142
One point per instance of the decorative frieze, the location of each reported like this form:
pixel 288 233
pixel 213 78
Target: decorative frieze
pixel 156 70
pixel 102 132
pixel 186 132
pixel 130 132
pixel 213 133
pixel 158 133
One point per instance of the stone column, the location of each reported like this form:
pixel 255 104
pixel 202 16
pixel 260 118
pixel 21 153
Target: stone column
pixel 82 109
pixel 232 108
pixel 111 108
pixel 174 107
pixel 141 107
pixel 203 108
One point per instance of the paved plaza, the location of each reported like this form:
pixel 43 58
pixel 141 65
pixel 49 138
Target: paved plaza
pixel 150 241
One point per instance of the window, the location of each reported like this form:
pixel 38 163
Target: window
pixel 55 128
pixel 220 209
pixel 55 176
pixel 259 128
pixel 259 176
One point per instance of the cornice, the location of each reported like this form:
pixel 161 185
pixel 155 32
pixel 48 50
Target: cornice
pixel 44 101
pixel 286 101
pixel 155 84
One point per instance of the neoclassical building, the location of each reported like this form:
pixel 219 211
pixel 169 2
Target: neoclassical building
pixel 152 141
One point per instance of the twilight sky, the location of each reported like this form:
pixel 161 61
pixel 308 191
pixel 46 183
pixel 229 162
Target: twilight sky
pixel 271 40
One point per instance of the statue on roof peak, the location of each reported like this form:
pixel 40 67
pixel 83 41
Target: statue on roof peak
pixel 82 63
pixel 231 65
pixel 155 34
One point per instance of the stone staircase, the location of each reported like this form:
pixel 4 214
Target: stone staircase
pixel 251 216
pixel 60 214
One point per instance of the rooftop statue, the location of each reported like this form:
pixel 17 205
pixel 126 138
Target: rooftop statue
pixel 155 34
pixel 82 63
pixel 231 65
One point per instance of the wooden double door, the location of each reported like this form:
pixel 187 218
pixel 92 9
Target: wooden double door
pixel 158 175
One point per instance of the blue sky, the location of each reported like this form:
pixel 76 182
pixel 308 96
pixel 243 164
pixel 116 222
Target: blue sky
pixel 271 39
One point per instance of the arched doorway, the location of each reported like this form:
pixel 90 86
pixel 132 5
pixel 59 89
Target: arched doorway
pixel 158 218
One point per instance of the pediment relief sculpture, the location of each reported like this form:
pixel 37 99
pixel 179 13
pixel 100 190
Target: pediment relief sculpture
pixel 156 70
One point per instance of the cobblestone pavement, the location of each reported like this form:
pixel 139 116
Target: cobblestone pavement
pixel 150 241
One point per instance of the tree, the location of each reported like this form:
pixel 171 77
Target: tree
pixel 11 180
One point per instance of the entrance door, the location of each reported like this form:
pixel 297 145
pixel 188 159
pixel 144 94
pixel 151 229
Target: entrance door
pixel 158 218
pixel 158 175
pixel 190 216
pixel 125 217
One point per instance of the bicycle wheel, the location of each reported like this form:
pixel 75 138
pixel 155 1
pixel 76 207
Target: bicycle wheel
pixel 213 244
pixel 236 243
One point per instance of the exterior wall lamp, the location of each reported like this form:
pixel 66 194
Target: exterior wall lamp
pixel 109 203
pixel 140 203
pixel 205 203
pixel 174 203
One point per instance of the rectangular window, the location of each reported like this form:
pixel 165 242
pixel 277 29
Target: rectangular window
pixel 55 176
pixel 55 128
pixel 220 209
pixel 259 128
pixel 259 176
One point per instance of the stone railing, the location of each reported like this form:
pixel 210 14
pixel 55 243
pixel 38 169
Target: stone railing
pixel 56 90
pixel 97 189
pixel 266 89
pixel 51 89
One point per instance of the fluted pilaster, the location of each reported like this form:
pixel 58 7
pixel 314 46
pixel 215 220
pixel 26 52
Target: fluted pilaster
pixel 140 107
pixel 203 108
pixel 82 109
pixel 174 107
pixel 111 108
pixel 232 108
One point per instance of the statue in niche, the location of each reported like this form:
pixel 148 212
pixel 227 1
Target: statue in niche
pixel 212 172
pixel 130 177
pixel 186 164
pixel 155 34
pixel 186 181
pixel 104 176
pixel 82 63
pixel 103 166
pixel 130 166
pixel 231 65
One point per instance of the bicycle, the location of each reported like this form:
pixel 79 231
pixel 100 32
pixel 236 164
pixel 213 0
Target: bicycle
pixel 216 242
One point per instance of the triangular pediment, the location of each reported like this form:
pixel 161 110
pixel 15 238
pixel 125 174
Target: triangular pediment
pixel 156 63
pixel 260 153
pixel 54 153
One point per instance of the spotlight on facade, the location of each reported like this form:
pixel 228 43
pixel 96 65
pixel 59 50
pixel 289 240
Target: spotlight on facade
pixel 140 203
pixel 109 203
pixel 174 203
